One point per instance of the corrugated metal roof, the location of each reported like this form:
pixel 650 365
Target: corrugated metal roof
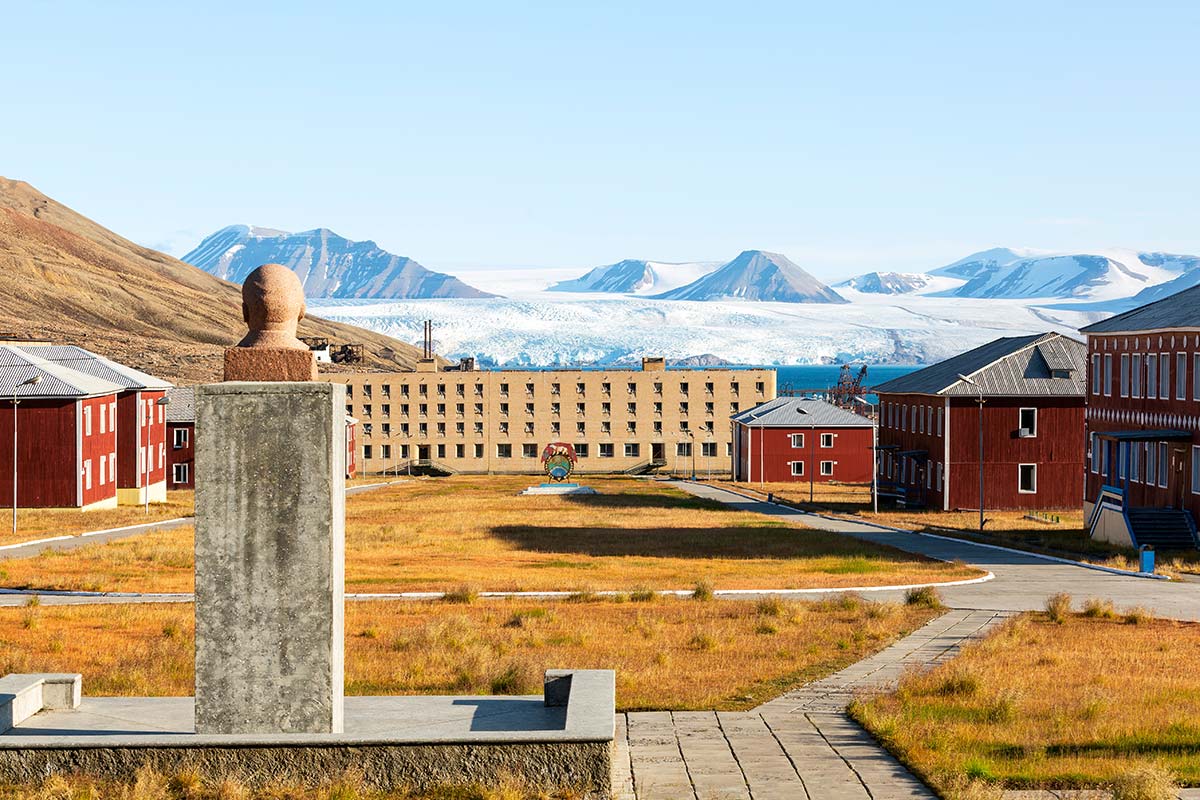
pixel 181 406
pixel 18 366
pixel 794 412
pixel 1015 366
pixel 77 358
pixel 1180 310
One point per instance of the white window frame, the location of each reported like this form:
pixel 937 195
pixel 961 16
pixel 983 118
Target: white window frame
pixel 87 474
pixel 87 421
pixel 830 437
pixel 797 468
pixel 633 450
pixel 1181 382
pixel 1125 382
pixel 940 421
pixel 112 467
pixel 180 442
pixel 1164 376
pixel 112 416
pixel 1033 432
pixel 1164 464
pixel 1096 375
pixel 1136 374
pixel 1108 374
pixel 827 468
pixel 797 441
pixel 1020 469
pixel 103 464
pixel 175 473
pixel 611 450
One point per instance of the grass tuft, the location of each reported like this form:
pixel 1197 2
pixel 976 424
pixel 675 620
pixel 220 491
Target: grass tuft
pixel 1098 608
pixel 1137 615
pixel 641 594
pixel 702 591
pixel 1145 782
pixel 924 597
pixel 463 595
pixel 1058 607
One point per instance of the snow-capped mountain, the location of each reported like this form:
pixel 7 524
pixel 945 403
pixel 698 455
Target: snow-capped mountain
pixel 636 276
pixel 1101 275
pixel 328 265
pixel 757 275
pixel 1003 272
pixel 888 283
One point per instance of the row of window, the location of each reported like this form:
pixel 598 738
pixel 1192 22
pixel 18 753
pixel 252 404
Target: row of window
pixel 826 468
pixel 908 472
pixel 107 471
pixel 107 416
pixel 530 450
pixel 914 419
pixel 798 440
pixel 460 428
pixel 366 411
pixel 1146 375
pixel 1147 463
pixel 631 388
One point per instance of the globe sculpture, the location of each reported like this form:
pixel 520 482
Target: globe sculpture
pixel 558 459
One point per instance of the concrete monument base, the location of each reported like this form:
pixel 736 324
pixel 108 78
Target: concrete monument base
pixel 559 488
pixel 562 739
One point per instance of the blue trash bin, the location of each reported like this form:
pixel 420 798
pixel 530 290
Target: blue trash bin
pixel 1146 561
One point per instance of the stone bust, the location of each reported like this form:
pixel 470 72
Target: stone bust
pixel 272 306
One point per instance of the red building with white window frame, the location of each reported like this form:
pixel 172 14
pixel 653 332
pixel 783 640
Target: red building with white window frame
pixel 1033 406
pixel 181 436
pixel 66 443
pixel 791 439
pixel 1143 424
pixel 141 420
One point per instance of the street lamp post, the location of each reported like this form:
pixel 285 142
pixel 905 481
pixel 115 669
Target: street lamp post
pixel 34 381
pixel 979 390
pixel 162 401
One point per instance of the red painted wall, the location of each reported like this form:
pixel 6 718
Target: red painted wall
pixel 1057 450
pixel 47 471
pixel 953 482
pixel 102 442
pixel 184 454
pixel 351 450
pixel 766 454
pixel 137 411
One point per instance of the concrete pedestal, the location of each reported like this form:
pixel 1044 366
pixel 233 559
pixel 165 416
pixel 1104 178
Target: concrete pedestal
pixel 270 551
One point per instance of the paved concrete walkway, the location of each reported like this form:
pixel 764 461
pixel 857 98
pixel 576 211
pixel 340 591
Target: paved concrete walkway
pixel 1023 581
pixel 798 746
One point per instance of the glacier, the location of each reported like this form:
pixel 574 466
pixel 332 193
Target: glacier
pixel 541 331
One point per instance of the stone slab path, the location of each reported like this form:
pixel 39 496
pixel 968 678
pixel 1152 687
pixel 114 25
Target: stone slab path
pixel 799 746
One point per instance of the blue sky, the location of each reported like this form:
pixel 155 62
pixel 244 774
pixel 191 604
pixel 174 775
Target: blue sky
pixel 849 136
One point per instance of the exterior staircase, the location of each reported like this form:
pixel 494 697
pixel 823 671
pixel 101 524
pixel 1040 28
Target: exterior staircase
pixel 1163 528
pixel 646 466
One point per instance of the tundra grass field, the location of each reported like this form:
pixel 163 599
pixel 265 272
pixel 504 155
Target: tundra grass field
pixel 39 523
pixel 1060 532
pixel 477 532
pixel 669 653
pixel 1059 700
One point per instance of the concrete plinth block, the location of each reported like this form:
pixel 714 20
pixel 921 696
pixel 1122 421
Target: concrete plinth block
pixel 24 694
pixel 269 363
pixel 270 553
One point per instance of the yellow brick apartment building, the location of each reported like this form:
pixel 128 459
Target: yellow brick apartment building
pixel 483 421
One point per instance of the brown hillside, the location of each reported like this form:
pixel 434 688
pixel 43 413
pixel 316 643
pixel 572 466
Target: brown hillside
pixel 69 280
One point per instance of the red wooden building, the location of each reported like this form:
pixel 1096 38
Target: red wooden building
pixel 181 436
pixel 1143 424
pixel 66 434
pixel 141 420
pixel 1032 391
pixel 793 439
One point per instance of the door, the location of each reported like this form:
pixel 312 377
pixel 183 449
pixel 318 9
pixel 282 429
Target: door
pixel 1177 484
pixel 422 452
pixel 658 452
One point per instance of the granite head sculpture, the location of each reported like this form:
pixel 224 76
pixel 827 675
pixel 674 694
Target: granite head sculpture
pixel 272 306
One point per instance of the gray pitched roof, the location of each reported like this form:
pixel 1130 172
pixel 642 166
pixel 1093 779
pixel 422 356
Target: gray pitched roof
pixel 795 412
pixel 90 363
pixel 58 381
pixel 1015 366
pixel 181 405
pixel 1180 310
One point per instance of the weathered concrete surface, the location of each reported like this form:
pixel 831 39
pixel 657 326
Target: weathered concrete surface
pixel 270 557
pixel 395 741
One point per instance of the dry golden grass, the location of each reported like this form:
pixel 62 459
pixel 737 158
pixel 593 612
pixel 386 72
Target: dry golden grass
pixel 669 653
pixel 39 523
pixel 1065 537
pixel 190 784
pixel 1041 704
pixel 441 534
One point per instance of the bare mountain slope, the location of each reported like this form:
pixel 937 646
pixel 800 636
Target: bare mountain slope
pixel 69 279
